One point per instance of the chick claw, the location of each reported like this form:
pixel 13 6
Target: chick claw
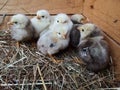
pixel 53 59
pixel 18 45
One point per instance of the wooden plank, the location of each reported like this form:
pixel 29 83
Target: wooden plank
pixel 11 7
pixel 4 26
pixel 31 6
pixel 115 53
pixel 106 14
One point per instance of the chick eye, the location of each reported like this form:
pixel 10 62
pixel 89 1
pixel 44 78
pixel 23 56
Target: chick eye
pixel 52 45
pixel 65 21
pixel 16 22
pixel 59 33
pixel 82 30
pixel 42 46
pixel 84 50
pixel 57 21
pixel 42 16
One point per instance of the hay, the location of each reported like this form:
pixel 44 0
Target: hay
pixel 25 68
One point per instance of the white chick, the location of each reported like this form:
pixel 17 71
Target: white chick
pixel 62 21
pixel 21 28
pixel 77 18
pixel 41 21
pixel 47 29
pixel 52 42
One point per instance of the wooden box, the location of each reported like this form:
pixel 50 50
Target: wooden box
pixel 104 13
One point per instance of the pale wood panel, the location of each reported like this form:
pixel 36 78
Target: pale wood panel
pixel 115 53
pixel 106 14
pixel 4 26
pixel 31 6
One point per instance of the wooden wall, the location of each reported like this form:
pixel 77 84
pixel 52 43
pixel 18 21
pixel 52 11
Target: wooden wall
pixel 104 13
pixel 31 6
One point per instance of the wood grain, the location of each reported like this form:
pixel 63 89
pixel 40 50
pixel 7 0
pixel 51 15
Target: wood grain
pixel 11 7
pixel 115 53
pixel 106 14
pixel 31 6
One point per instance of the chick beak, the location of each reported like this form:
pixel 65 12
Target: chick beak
pixel 85 20
pixel 10 23
pixel 65 22
pixel 55 39
pixel 64 36
pixel 38 17
pixel 78 28
pixel 53 59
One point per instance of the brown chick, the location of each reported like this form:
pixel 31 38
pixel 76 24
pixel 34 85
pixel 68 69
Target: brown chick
pixel 93 50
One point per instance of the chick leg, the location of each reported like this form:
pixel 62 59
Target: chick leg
pixel 53 59
pixel 18 44
pixel 33 44
pixel 78 60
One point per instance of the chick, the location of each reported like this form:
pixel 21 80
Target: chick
pixel 95 53
pixel 21 28
pixel 43 43
pixel 89 30
pixel 75 35
pixel 41 21
pixel 62 20
pixel 57 37
pixel 93 50
pixel 60 40
pixel 78 18
pixel 52 42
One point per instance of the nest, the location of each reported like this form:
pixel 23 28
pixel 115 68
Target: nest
pixel 25 68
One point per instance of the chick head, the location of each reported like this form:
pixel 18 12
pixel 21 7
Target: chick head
pixel 86 29
pixel 19 21
pixel 78 17
pixel 42 14
pixel 60 34
pixel 62 18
